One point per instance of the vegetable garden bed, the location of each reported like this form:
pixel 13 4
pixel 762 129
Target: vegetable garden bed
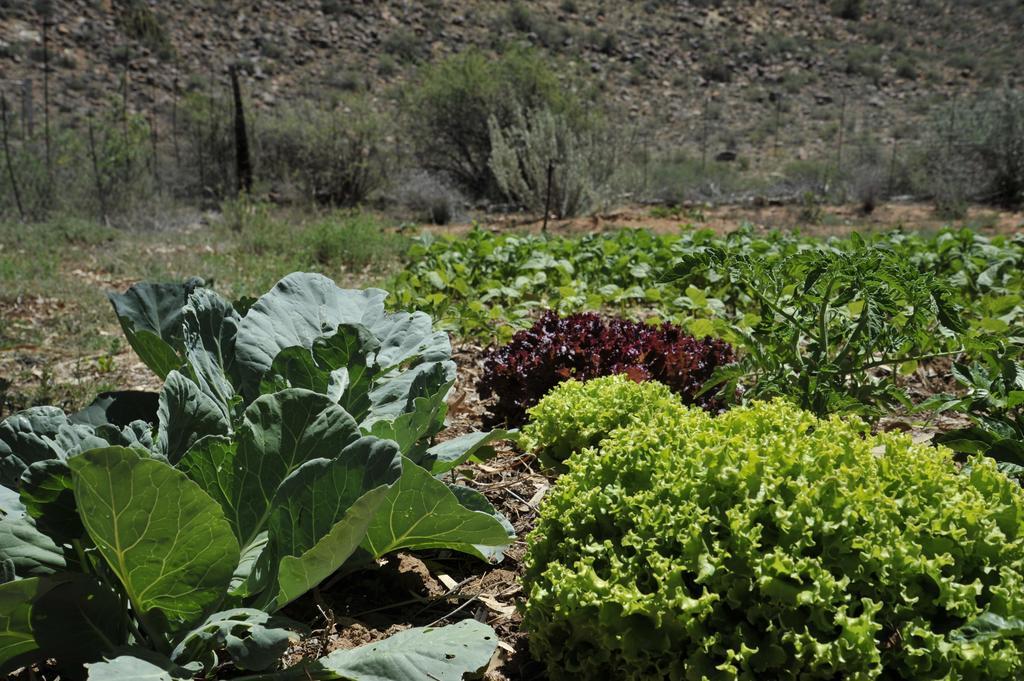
pixel 380 502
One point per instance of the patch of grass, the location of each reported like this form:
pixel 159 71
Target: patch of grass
pixel 964 61
pixel 881 32
pixel 387 66
pixel 678 178
pixel 57 328
pixel 355 242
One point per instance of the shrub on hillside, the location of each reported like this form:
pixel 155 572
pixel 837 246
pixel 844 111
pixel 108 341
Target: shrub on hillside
pixel 851 10
pixel 428 197
pixel 449 110
pixel 765 543
pixel 585 346
pixel 101 168
pixel 976 152
pixel 583 160
pixel 337 157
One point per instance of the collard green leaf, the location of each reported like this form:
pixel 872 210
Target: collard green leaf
pixel 186 414
pixel 254 639
pixel 150 315
pixel 471 500
pixel 351 349
pixel 350 344
pixel 294 368
pixel 446 455
pixel 407 336
pixel 25 550
pixel 210 463
pixel 341 365
pixel 138 664
pixel 1010 470
pixel 240 585
pixel 73 438
pixel 420 654
pixel 77 621
pixel 165 539
pixel 298 310
pixel 10 502
pixel 396 393
pixel 137 435
pixel 66 617
pixel 412 428
pixel 26 437
pixel 321 513
pixel 119 408
pixel 422 512
pixel 18 643
pixel 1007 450
pixel 50 501
pixel 279 433
pixel 989 626
pixel 209 326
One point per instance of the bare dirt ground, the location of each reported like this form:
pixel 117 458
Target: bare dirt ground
pixel 832 220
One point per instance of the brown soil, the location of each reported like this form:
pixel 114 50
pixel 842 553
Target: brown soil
pixel 833 221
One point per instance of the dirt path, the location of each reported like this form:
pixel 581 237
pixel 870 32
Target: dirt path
pixel 832 220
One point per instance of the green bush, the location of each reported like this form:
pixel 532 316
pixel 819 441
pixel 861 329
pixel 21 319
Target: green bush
pixel 851 10
pixel 207 146
pixel 975 152
pixel 583 158
pixel 765 543
pixel 448 112
pixel 137 21
pixel 404 45
pixel 677 178
pixel 336 157
pixel 578 415
pixel 109 177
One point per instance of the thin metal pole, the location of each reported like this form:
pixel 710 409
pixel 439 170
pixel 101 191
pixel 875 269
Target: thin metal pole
pixel 704 137
pixel 7 156
pixel 547 198
pixel 842 129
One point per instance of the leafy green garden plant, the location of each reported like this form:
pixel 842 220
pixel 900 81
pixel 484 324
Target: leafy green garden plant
pixel 294 436
pixel 994 401
pixel 585 346
pixel 826 317
pixel 764 543
pixel 579 415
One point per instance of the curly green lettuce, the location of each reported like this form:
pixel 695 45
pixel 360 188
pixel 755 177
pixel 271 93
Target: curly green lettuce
pixel 577 415
pixel 768 544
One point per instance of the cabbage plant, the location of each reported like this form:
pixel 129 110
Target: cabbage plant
pixel 294 436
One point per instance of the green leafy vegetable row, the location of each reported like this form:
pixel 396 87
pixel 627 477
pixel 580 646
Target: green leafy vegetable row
pixel 831 324
pixel 484 286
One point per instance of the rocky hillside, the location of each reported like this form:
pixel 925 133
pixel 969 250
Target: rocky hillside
pixel 748 74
